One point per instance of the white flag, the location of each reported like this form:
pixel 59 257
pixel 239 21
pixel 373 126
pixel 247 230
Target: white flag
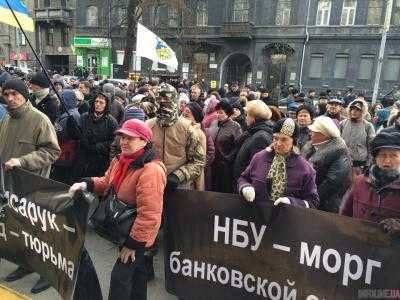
pixel 152 47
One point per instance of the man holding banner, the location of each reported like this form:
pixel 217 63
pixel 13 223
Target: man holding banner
pixel 27 140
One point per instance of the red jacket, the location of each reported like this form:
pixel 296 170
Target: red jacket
pixel 142 186
pixel 363 202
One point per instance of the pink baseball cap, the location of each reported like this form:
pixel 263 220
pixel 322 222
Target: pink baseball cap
pixel 136 128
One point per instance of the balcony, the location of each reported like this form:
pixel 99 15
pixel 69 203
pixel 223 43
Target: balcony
pixel 237 30
pixel 55 14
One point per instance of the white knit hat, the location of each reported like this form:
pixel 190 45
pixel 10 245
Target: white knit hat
pixel 325 126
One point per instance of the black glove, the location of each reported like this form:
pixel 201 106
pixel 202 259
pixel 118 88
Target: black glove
pixel 172 183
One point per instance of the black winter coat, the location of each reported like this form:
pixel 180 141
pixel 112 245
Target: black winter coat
pixel 332 163
pixel 49 106
pixel 256 138
pixel 94 148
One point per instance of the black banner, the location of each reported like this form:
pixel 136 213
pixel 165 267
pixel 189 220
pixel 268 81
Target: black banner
pixel 217 246
pixel 41 228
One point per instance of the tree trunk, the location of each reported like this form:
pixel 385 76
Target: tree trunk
pixel 130 34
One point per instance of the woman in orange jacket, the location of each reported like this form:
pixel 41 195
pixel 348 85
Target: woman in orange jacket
pixel 137 179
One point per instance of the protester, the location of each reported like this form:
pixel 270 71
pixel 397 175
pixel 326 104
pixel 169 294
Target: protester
pixel 358 133
pixel 279 173
pixel 98 128
pixel 375 197
pixel 116 108
pixel 82 105
pixel 224 140
pixel 331 160
pixel 211 114
pixel 304 115
pixel 182 102
pixel 85 89
pixel 239 115
pixel 256 138
pixel 28 141
pixel 67 127
pixel 194 113
pixel 195 95
pixel 137 178
pixel 234 91
pixel 334 110
pixel 41 97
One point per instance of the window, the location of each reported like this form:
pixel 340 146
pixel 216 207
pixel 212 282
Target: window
pixel 49 36
pixel 172 17
pixel 316 65
pixel 340 66
pixel 63 3
pixel 392 68
pixel 348 12
pixel 65 36
pixel 375 8
pixel 283 12
pixel 46 3
pixel 323 12
pixel 155 16
pixel 92 16
pixel 241 11
pixel 366 67
pixel 21 40
pixel 396 13
pixel 202 14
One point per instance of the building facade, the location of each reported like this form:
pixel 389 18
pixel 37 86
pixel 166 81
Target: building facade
pixel 55 29
pixel 263 42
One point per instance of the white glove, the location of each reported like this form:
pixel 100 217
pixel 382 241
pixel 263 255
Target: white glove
pixel 12 163
pixel 282 200
pixel 249 193
pixel 78 186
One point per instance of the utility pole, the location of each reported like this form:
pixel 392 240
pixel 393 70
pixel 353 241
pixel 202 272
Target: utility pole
pixel 386 27
pixel 304 46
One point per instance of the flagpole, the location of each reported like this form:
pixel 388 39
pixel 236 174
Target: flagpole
pixel 43 68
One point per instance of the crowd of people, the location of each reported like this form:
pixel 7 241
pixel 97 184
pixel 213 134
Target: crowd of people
pixel 145 139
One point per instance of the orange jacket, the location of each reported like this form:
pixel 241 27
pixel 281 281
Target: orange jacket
pixel 142 186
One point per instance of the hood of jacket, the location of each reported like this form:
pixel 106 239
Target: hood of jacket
pixel 364 107
pixel 108 105
pixel 69 99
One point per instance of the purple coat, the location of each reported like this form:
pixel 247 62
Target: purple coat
pixel 300 188
pixel 362 202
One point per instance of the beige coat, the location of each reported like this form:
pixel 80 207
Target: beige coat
pixel 29 136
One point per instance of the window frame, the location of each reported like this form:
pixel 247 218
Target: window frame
pixel 316 55
pixel 280 12
pixel 320 10
pixel 240 14
pixel 173 17
pixel 202 13
pixel 346 11
pixel 371 57
pixel 337 57
pixel 369 11
pixel 387 62
pixel 89 22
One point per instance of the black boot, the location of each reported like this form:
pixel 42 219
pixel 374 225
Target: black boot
pixel 19 273
pixel 41 285
pixel 148 260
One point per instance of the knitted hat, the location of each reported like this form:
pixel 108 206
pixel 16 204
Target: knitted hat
pixel 385 140
pixel 225 105
pixel 259 110
pixel 136 128
pixel 325 126
pixel 307 107
pixel 40 79
pixel 132 112
pixel 120 93
pixel 196 110
pixel 17 85
pixel 288 127
pixel 5 76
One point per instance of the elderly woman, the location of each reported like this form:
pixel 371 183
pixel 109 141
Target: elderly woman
pixel 376 197
pixel 304 116
pixel 256 138
pixel 279 173
pixel 328 154
pixel 224 137
pixel 138 179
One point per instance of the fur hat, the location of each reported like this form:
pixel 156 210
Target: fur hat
pixel 226 106
pixel 259 110
pixel 288 127
pixel 385 140
pixel 325 126
pixel 307 107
